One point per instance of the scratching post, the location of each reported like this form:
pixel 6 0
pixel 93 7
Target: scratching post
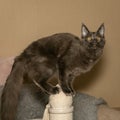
pixel 59 107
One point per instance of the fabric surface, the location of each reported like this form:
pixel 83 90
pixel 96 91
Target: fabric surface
pixel 32 104
pixel 86 106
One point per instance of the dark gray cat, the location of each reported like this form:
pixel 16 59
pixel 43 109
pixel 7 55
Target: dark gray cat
pixel 64 53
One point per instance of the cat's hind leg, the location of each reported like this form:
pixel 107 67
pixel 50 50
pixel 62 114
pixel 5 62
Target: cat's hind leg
pixel 40 75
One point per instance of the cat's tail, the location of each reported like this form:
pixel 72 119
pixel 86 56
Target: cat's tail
pixel 10 95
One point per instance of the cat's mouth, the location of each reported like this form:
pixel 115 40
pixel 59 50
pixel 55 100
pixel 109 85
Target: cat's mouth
pixel 93 47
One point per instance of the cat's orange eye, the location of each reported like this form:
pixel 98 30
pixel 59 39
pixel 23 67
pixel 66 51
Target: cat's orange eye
pixel 89 39
pixel 98 39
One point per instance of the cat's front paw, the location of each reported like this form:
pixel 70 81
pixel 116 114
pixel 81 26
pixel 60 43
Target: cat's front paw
pixel 69 92
pixel 73 92
pixel 55 90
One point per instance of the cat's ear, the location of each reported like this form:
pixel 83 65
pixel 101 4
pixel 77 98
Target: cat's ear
pixel 84 30
pixel 101 30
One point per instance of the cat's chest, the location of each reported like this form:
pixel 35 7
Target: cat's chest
pixel 76 71
pixel 82 69
pixel 87 64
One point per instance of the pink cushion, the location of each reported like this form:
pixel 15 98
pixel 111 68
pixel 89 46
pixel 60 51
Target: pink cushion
pixel 5 68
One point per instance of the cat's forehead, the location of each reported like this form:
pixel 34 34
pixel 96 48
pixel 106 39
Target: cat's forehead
pixel 93 34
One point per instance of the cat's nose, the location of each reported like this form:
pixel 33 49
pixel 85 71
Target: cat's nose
pixel 92 46
pixel 94 41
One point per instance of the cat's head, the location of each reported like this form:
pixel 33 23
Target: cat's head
pixel 93 40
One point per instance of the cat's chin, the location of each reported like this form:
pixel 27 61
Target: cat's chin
pixel 99 53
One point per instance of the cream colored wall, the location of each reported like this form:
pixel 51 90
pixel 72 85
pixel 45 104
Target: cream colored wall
pixel 22 21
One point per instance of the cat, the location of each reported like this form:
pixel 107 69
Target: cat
pixel 64 53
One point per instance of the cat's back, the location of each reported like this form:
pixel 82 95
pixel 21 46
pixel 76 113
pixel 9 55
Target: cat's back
pixel 59 37
pixel 66 37
pixel 60 41
pixel 51 45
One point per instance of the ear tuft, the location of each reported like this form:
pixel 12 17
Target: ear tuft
pixel 101 30
pixel 84 30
